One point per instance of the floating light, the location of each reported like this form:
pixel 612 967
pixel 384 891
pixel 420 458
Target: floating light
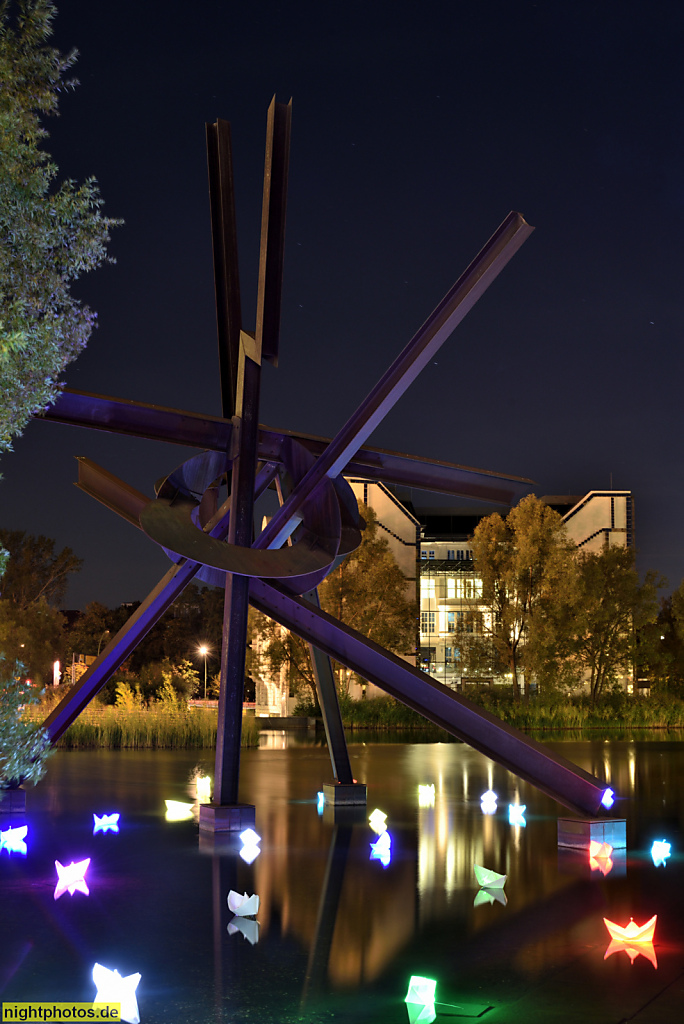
pixel 71 878
pixel 176 810
pixel 377 821
pixel 321 801
pixel 488 802
pixel 633 950
pixel 489 879
pixel 660 851
pixel 112 988
pixel 250 853
pixel 516 814
pixel 608 798
pixel 12 839
pixel 426 796
pixel 203 789
pixel 488 894
pixel 632 933
pixel 106 823
pixel 243 906
pixel 381 849
pixel 248 928
pixel 599 857
pixel 249 837
pixel 420 1000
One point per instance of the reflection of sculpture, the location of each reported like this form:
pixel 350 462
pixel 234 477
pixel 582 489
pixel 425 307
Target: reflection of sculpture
pixel 71 878
pixel 112 988
pixel 208 535
pixel 634 940
pixel 490 894
pixel 245 926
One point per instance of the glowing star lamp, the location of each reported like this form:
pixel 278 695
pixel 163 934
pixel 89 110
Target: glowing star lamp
pixel 635 940
pixel 243 906
pixel 488 802
pixel 176 810
pixel 608 798
pixel 420 1000
pixel 377 821
pixel 106 823
pixel 203 788
pixel 660 851
pixel 426 796
pixel 71 878
pixel 489 879
pixel 112 988
pixel 382 849
pixel 12 840
pixel 516 814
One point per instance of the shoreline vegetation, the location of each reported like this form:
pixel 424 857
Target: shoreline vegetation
pixel 558 717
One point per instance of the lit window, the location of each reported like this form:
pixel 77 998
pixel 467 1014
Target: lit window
pixel 451 589
pixel 427 588
pixel 423 555
pixel 451 622
pixel 427 622
pixel 431 554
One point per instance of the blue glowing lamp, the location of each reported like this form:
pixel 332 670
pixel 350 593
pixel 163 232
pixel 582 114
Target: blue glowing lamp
pixel 608 798
pixel 660 851
pixel 106 823
pixel 12 840
pixel 382 849
pixel 320 797
pixel 516 814
pixel 420 1000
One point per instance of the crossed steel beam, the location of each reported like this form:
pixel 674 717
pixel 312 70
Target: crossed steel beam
pixel 217 543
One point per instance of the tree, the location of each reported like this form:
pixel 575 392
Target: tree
pixel 24 745
pixel 521 560
pixel 34 570
pixel 50 234
pixel 367 591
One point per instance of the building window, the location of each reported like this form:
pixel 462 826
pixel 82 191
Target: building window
pixel 451 622
pixel 423 555
pixel 431 554
pixel 427 588
pixel 451 589
pixel 451 554
pixel 473 589
pixel 427 622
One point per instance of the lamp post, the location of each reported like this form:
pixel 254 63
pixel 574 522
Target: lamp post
pixel 203 651
pixel 106 633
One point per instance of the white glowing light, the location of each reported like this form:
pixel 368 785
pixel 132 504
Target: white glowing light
pixel 377 821
pixel 489 894
pixel 420 1000
pixel 488 802
pixel 426 796
pixel 248 928
pixel 243 906
pixel 608 798
pixel 72 878
pixel 250 853
pixel 249 837
pixel 12 839
pixel 660 851
pixel 176 810
pixel 489 879
pixel 112 988
pixel 106 823
pixel 599 857
pixel 203 788
pixel 516 814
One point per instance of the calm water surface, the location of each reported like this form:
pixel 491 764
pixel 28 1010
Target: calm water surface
pixel 339 934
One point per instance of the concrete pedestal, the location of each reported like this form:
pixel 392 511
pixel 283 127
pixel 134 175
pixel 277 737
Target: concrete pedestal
pixel 12 801
pixel 340 795
pixel 228 818
pixel 579 833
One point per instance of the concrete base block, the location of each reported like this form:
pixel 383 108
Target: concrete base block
pixel 340 795
pixel 228 818
pixel 12 801
pixel 578 833
pixel 344 814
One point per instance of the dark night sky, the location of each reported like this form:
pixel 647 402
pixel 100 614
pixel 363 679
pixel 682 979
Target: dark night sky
pixel 416 128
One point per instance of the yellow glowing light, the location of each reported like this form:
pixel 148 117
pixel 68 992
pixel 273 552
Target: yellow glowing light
pixel 377 821
pixel 203 788
pixel 178 811
pixel 633 950
pixel 632 933
pixel 599 857
pixel 426 796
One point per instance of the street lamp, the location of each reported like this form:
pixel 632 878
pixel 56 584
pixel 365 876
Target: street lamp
pixel 203 651
pixel 106 633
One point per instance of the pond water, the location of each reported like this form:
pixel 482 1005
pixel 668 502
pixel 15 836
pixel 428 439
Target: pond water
pixel 340 934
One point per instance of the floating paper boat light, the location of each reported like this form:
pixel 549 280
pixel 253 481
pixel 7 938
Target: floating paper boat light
pixel 203 788
pixel 249 837
pixel 489 879
pixel 516 814
pixel 489 894
pixel 377 821
pixel 608 798
pixel 71 878
pixel 112 988
pixel 632 933
pixel 246 927
pixel 106 823
pixel 320 797
pixel 426 796
pixel 488 802
pixel 420 1000
pixel 382 849
pixel 600 857
pixel 660 851
pixel 243 906
pixel 250 850
pixel 176 810
pixel 12 839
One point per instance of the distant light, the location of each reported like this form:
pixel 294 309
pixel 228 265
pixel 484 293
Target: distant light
pixel 377 821
pixel 72 878
pixel 56 672
pixel 608 798
pixel 203 788
pixel 426 796
pixel 12 840
pixel 176 810
pixel 112 988
pixel 516 814
pixel 488 802
pixel 106 823
pixel 660 851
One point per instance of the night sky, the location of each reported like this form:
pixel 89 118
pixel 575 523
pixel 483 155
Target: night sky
pixel 416 128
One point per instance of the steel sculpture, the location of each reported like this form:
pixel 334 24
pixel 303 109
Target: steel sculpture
pixel 208 534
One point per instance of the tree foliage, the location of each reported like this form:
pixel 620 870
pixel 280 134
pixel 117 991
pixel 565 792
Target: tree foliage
pixel 35 571
pixel 24 745
pixel 50 233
